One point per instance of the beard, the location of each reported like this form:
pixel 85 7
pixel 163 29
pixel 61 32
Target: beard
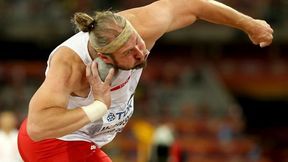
pixel 117 66
pixel 140 66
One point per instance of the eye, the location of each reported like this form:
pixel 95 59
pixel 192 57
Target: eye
pixel 128 52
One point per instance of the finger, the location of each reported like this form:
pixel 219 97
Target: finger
pixel 264 44
pixel 269 38
pixel 254 42
pixel 94 69
pixel 270 30
pixel 109 78
pixel 88 70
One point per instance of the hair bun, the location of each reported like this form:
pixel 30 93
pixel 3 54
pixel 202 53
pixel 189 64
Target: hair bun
pixel 84 22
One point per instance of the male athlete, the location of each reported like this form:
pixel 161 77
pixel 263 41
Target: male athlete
pixel 75 112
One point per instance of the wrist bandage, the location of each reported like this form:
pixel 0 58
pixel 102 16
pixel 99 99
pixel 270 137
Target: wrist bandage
pixel 95 110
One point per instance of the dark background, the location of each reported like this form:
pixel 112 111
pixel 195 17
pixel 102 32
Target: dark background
pixel 30 30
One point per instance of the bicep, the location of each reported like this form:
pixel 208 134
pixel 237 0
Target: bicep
pixel 55 90
pixel 49 95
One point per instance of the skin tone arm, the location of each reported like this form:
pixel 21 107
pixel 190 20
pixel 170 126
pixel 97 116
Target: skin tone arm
pixel 160 17
pixel 48 115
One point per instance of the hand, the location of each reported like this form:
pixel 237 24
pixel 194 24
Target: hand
pixel 260 33
pixel 100 89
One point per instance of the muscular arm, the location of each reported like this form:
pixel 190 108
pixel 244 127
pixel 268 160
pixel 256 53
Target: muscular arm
pixel 160 17
pixel 48 116
pixel 259 32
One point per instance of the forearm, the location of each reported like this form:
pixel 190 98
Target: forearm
pixel 55 122
pixel 219 13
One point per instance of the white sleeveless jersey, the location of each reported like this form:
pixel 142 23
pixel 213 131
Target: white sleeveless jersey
pixel 104 130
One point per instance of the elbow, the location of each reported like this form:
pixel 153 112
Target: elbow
pixel 35 132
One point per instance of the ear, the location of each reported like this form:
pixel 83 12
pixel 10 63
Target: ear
pixel 105 58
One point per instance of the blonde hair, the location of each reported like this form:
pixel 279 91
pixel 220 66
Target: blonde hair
pixel 105 26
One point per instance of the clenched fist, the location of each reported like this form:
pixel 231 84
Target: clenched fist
pixel 260 33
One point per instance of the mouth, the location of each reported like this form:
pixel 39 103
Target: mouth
pixel 139 66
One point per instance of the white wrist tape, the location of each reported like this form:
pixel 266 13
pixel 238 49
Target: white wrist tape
pixel 95 110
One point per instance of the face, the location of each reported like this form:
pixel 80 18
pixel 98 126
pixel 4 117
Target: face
pixel 7 121
pixel 133 54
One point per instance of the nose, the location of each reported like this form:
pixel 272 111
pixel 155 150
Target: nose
pixel 140 54
pixel 146 53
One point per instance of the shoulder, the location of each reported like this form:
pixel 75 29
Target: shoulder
pixel 78 42
pixel 163 16
pixel 65 66
pixel 151 21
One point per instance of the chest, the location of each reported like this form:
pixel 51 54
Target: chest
pixel 121 91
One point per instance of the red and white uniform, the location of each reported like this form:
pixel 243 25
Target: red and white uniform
pixel 104 130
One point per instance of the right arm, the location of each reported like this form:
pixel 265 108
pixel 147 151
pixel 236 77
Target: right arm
pixel 48 115
pixel 162 16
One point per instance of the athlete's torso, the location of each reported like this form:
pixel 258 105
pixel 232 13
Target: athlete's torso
pixel 104 130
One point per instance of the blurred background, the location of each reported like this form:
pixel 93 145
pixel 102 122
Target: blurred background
pixel 207 95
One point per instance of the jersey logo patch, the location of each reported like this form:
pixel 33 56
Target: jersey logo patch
pixel 111 117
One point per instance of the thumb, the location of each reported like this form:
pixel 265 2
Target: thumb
pixel 109 77
pixel 263 44
pixel 252 40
